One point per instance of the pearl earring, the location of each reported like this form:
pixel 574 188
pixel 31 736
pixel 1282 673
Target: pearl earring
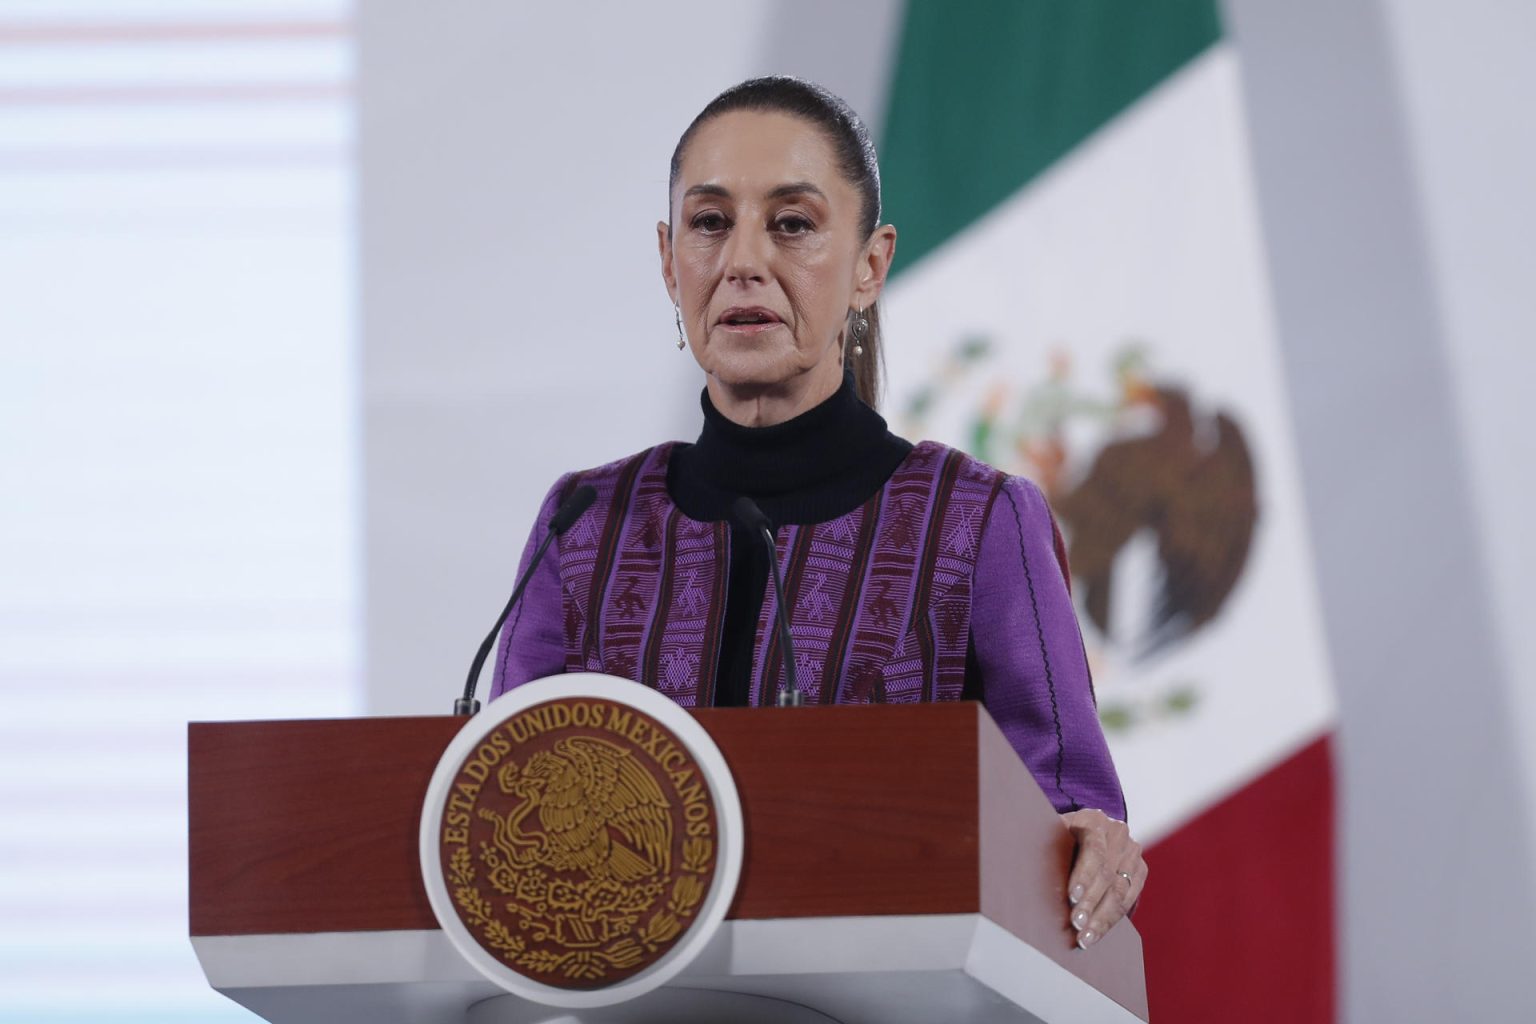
pixel 677 314
pixel 858 330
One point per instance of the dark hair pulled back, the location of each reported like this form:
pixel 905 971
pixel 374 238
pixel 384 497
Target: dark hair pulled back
pixel 855 155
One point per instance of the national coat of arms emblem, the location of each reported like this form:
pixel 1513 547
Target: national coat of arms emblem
pixel 1155 486
pixel 576 840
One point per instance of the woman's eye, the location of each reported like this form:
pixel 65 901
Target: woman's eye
pixel 709 222
pixel 793 225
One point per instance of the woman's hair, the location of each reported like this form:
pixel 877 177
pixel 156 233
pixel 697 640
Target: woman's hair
pixel 855 155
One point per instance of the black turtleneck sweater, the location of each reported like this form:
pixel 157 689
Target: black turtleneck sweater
pixel 820 465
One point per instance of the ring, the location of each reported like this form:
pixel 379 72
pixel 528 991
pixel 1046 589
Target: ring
pixel 1125 875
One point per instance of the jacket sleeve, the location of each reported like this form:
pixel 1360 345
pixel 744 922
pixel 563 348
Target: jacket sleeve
pixel 1034 673
pixel 533 637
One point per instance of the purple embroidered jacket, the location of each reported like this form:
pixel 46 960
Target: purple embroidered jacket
pixel 884 601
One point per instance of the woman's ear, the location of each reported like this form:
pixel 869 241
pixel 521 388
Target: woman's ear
pixel 873 266
pixel 664 246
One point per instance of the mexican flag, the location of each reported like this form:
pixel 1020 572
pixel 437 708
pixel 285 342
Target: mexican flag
pixel 1080 297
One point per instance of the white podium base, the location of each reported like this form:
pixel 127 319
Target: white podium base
pixel 952 968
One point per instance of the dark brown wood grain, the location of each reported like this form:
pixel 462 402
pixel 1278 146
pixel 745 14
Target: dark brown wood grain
pixel 311 825
pixel 855 809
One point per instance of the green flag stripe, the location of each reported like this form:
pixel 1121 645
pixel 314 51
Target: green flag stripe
pixel 989 93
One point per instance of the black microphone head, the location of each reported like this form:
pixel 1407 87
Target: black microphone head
pixel 749 515
pixel 571 508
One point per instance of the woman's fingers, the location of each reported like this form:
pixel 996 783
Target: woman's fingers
pixel 1107 875
pixel 1102 917
pixel 1092 851
pixel 1122 894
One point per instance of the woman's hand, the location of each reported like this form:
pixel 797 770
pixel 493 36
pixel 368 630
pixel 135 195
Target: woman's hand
pixel 1108 873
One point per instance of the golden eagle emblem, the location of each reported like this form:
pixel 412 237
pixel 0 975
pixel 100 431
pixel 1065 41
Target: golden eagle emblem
pixel 579 842
pixel 598 812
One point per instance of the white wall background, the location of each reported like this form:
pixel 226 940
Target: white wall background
pixel 1467 96
pixel 1389 138
pixel 178 457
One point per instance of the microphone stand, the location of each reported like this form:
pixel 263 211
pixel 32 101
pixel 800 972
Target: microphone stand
pixel 789 695
pixel 569 511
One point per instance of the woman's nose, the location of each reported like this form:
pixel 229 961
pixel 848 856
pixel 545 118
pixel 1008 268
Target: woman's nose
pixel 746 256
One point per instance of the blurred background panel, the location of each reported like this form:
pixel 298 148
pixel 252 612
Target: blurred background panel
pixel 178 456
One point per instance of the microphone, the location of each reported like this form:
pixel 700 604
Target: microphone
pixel 750 516
pixel 569 511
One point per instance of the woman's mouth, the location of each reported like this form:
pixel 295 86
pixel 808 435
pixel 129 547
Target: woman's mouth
pixel 749 320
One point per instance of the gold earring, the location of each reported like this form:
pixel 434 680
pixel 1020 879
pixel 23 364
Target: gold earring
pixel 677 314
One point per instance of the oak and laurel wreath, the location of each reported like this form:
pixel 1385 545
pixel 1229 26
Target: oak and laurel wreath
pixel 583 964
pixel 477 910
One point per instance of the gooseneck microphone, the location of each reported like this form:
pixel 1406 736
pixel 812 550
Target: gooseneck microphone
pixel 569 511
pixel 750 516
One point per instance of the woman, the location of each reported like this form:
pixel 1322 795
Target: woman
pixel 912 572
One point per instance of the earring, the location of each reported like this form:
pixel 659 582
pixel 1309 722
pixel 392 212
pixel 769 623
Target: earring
pixel 677 315
pixel 858 331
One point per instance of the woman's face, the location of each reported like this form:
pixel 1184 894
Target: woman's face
pixel 764 257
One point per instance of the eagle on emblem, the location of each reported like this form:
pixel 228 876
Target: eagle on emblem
pixel 1190 482
pixel 1157 492
pixel 599 811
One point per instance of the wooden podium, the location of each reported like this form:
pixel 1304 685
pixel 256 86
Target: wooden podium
pixel 901 866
